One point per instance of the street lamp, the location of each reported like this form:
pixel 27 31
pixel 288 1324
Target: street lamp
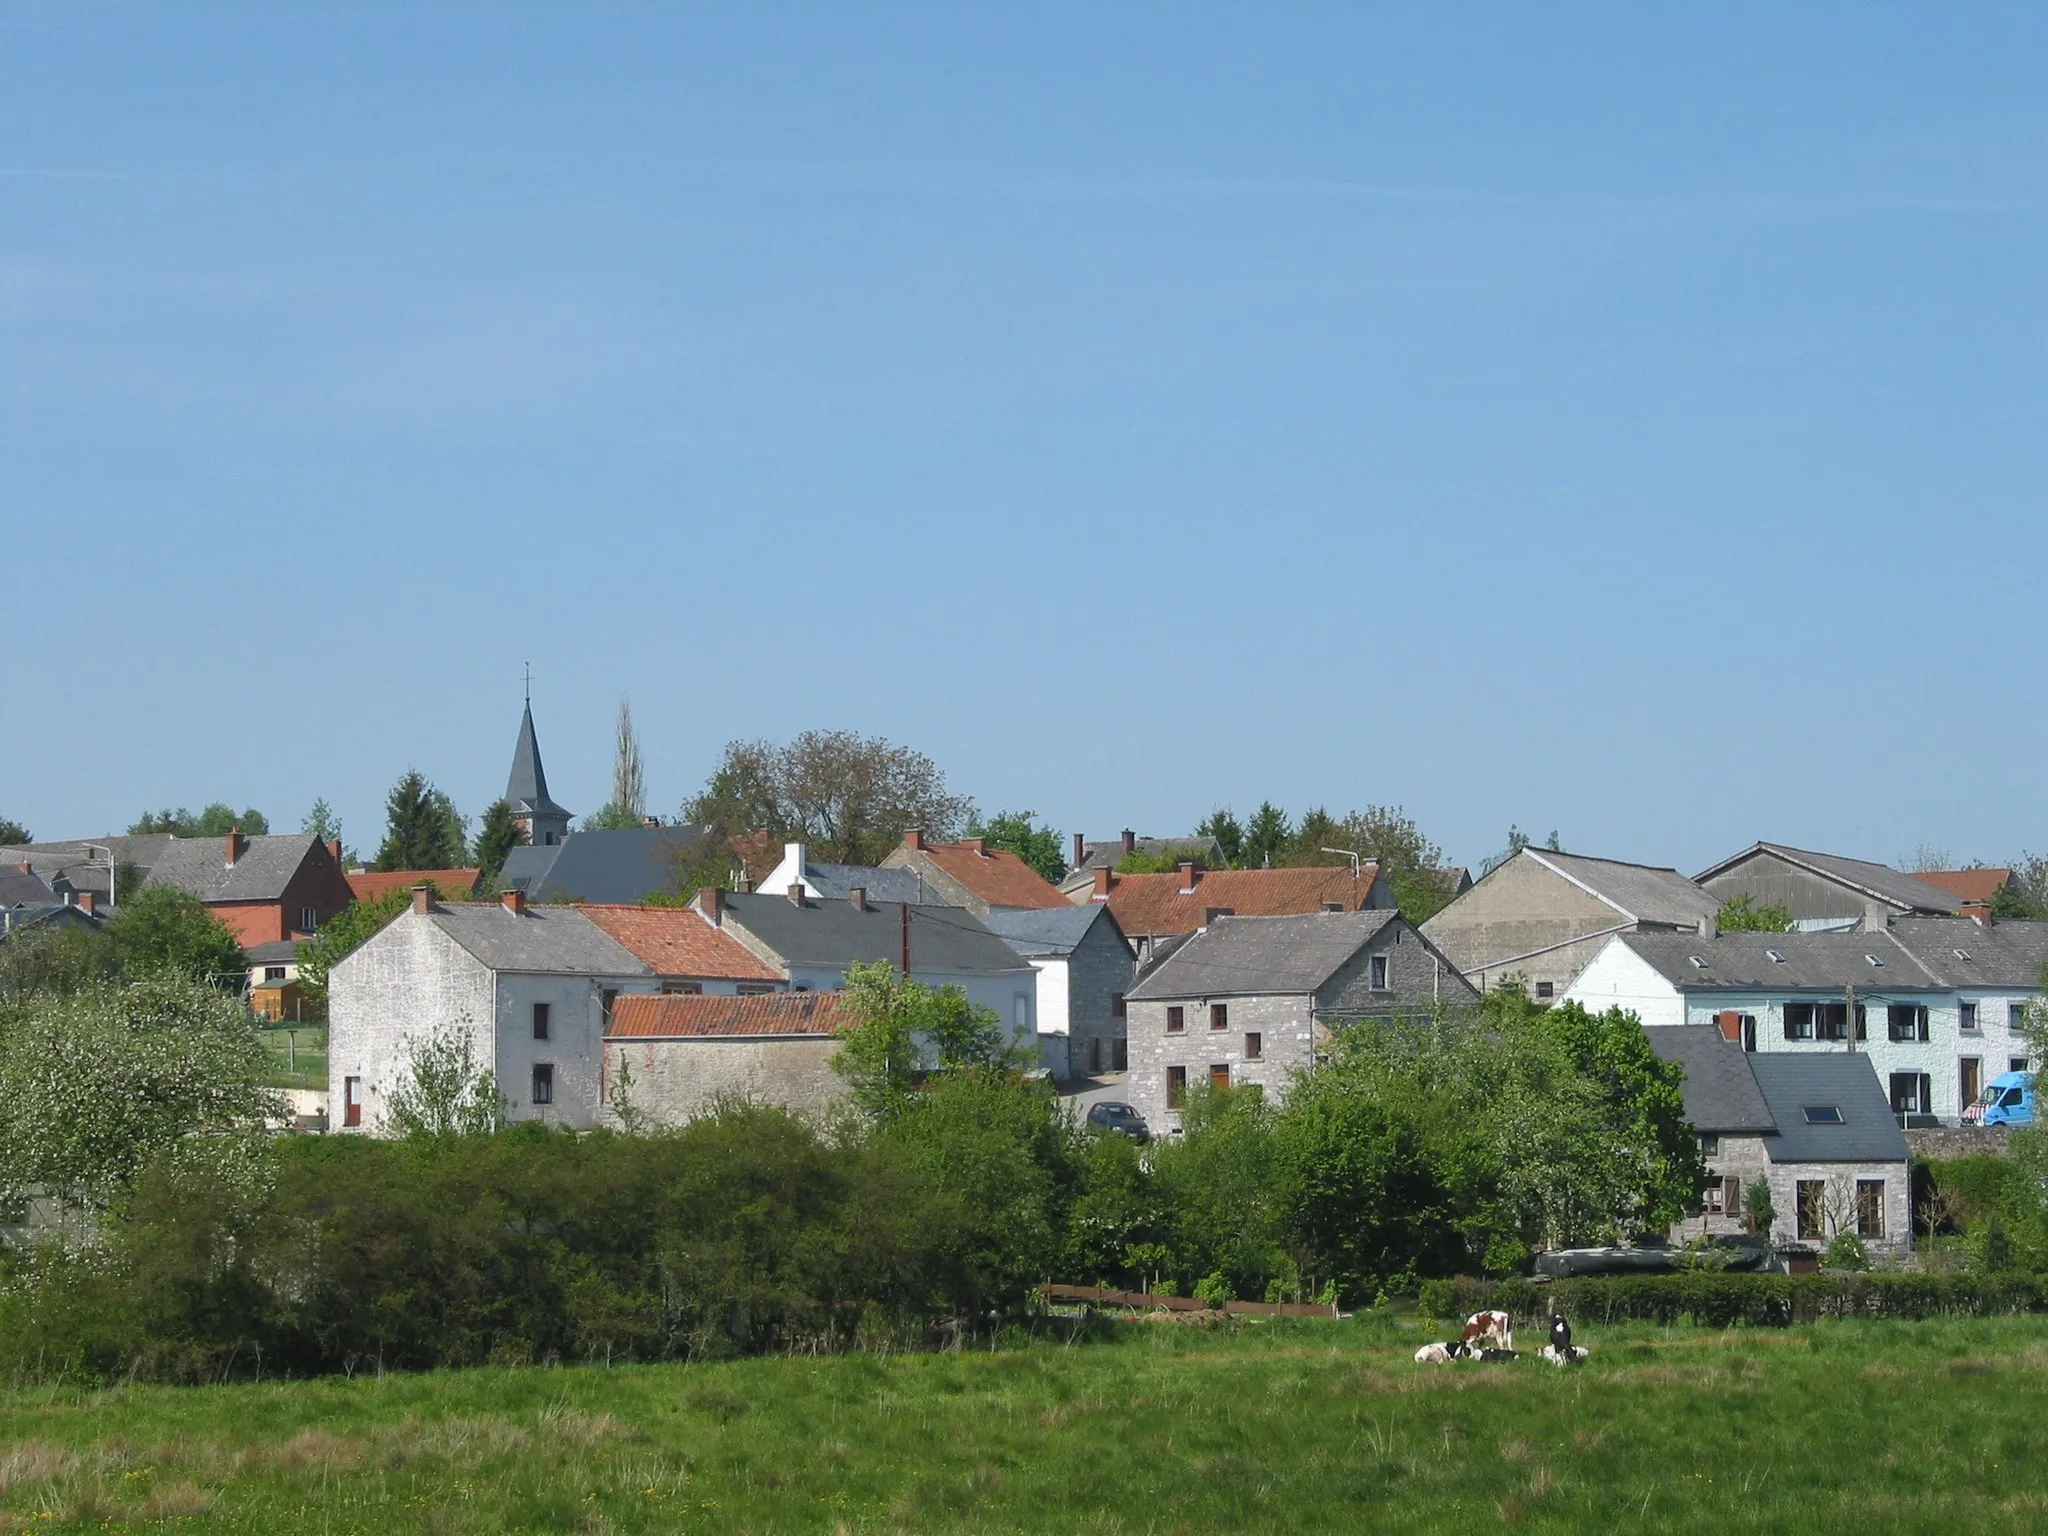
pixel 1347 853
pixel 109 852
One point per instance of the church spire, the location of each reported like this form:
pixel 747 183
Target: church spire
pixel 540 819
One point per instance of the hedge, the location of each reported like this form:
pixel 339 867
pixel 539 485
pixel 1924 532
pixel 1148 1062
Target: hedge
pixel 1720 1300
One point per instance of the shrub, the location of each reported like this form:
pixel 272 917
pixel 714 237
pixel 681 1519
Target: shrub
pixel 1723 1300
pixel 1845 1251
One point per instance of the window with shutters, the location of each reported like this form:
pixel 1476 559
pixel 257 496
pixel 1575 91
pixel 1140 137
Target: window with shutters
pixel 1798 1021
pixel 1870 1207
pixel 1176 1087
pixel 1911 1093
pixel 1809 1209
pixel 1906 1021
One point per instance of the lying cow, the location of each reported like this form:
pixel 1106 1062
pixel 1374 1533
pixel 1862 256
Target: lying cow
pixel 1436 1354
pixel 1442 1353
pixel 1571 1354
pixel 1493 1330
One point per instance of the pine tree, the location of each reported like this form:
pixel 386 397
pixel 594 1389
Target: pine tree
pixel 496 837
pixel 422 827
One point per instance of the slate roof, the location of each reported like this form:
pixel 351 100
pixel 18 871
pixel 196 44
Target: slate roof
pixel 265 868
pixel 21 886
pixel 611 867
pixel 836 882
pixel 1109 853
pixel 1153 904
pixel 996 875
pixel 1866 879
pixel 527 787
pixel 1047 932
pixel 274 952
pixel 647 1017
pixel 369 884
pixel 1253 956
pixel 1917 954
pixel 1721 1095
pixel 74 859
pixel 16 919
pixel 556 941
pixel 1790 1080
pixel 1643 892
pixel 833 934
pixel 677 941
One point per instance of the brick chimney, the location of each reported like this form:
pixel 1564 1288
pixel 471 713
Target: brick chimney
pixel 1130 842
pixel 89 901
pixel 422 899
pixel 1189 875
pixel 914 839
pixel 796 893
pixel 857 898
pixel 1105 878
pixel 1080 851
pixel 711 904
pixel 979 845
pixel 515 901
pixel 236 843
pixel 1731 1025
pixel 334 847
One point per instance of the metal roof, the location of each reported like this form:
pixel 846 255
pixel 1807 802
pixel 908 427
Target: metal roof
pixel 1860 875
pixel 1643 892
pixel 1240 956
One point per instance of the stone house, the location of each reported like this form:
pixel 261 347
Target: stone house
pixel 973 875
pixel 1543 915
pixel 534 988
pixel 1937 1005
pixel 1156 910
pixel 1084 973
pixel 1825 890
pixel 1816 1129
pixel 263 888
pixel 1089 856
pixel 1251 1000
pixel 673 1057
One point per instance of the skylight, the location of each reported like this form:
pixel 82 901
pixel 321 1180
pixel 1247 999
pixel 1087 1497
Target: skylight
pixel 1822 1114
pixel 1873 960
pixel 1962 954
pixel 1698 962
pixel 1775 956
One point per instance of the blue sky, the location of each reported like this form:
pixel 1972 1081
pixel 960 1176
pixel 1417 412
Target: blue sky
pixel 1624 420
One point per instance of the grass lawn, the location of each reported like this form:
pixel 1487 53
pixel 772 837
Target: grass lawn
pixel 300 1046
pixel 1281 1427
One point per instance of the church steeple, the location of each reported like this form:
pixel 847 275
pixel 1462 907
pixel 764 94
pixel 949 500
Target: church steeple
pixel 541 821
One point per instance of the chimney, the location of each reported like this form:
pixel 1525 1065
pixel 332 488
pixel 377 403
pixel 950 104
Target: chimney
pixel 796 893
pixel 1978 912
pixel 1210 914
pixel 1710 926
pixel 422 899
pixel 236 843
pixel 515 902
pixel 1188 875
pixel 711 903
pixel 1876 917
pixel 858 898
pixel 914 839
pixel 334 847
pixel 89 901
pixel 1731 1025
pixel 1080 851
pixel 979 845
pixel 1104 877
pixel 1130 842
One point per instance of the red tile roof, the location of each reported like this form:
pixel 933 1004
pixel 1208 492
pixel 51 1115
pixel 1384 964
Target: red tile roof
pixel 1157 904
pixel 676 941
pixel 996 875
pixel 1976 885
pixel 645 1016
pixel 369 884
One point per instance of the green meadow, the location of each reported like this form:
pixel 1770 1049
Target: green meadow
pixel 1162 1427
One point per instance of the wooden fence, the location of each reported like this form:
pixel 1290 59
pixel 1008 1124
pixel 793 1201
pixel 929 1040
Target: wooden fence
pixel 1103 1296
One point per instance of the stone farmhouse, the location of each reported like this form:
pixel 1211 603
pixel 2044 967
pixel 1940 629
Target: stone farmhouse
pixel 1084 973
pixel 1158 911
pixel 669 1058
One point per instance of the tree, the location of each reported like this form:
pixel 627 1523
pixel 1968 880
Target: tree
pixel 496 836
pixel 96 1085
pixel 341 936
pixel 901 1028
pixel 1517 841
pixel 628 804
pixel 1223 826
pixel 217 820
pixel 446 1090
pixel 321 822
pixel 162 928
pixel 1037 846
pixel 1266 835
pixel 2025 894
pixel 13 833
pixel 1926 858
pixel 850 798
pixel 422 829
pixel 1741 914
pixel 1758 1207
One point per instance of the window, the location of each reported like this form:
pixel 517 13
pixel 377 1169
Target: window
pixel 1219 1015
pixel 1775 956
pixel 1906 1021
pixel 1176 1018
pixel 1119 1055
pixel 1219 1075
pixel 1176 1087
pixel 540 1021
pixel 1724 1197
pixel 1710 1144
pixel 1094 1055
pixel 1254 1046
pixel 1116 1005
pixel 605 999
pixel 309 919
pixel 1870 1207
pixel 1546 989
pixel 1966 1017
pixel 2017 1064
pixel 1822 1021
pixel 2015 1016
pixel 273 973
pixel 1822 1114
pixel 1378 965
pixel 1020 1012
pixel 1873 960
pixel 682 989
pixel 1910 1093
pixel 755 988
pixel 543 1082
pixel 352 1101
pixel 1809 1201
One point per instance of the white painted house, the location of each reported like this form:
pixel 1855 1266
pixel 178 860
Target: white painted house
pixel 1937 1004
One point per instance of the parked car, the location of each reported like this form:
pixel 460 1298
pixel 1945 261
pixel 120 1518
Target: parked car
pixel 2008 1101
pixel 1119 1118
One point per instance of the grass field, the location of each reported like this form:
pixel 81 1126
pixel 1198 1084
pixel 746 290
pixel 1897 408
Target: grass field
pixel 1275 1427
pixel 298 1056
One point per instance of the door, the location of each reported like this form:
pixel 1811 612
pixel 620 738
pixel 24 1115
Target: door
pixel 1971 1085
pixel 352 1101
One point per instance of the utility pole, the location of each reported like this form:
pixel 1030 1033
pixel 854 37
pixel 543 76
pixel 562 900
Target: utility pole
pixel 906 938
pixel 1849 1027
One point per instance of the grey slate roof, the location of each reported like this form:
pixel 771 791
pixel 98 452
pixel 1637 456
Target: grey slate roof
pixel 1045 932
pixel 21 887
pixel 275 952
pixel 17 919
pixel 1918 954
pixel 619 867
pixel 1866 879
pixel 834 934
pixel 1721 1095
pixel 557 941
pixel 1791 1080
pixel 1240 956
pixel 1641 891
pixel 1107 854
pixel 265 868
pixel 75 864
pixel 836 882
pixel 527 787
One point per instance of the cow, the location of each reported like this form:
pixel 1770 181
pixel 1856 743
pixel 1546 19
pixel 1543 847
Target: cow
pixel 1434 1354
pixel 1489 1329
pixel 1570 1354
pixel 1560 1334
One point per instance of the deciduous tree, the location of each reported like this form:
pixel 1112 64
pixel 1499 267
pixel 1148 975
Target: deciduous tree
pixel 1037 846
pixel 162 928
pixel 628 804
pixel 13 833
pixel 1741 914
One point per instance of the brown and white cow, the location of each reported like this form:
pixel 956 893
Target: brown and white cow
pixel 1489 1330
